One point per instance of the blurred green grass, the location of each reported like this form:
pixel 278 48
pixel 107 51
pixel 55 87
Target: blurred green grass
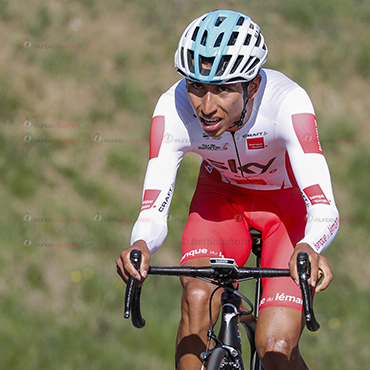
pixel 61 307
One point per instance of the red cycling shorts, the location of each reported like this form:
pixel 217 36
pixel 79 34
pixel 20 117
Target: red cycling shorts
pixel 218 226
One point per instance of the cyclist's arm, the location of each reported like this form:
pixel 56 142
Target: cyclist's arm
pixel 310 171
pixel 169 141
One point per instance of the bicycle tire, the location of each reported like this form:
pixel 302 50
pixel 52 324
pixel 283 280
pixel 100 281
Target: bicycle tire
pixel 220 360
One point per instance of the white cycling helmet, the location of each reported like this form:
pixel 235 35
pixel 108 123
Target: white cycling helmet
pixel 221 47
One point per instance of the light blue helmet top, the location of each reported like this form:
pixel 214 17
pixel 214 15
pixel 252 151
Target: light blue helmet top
pixel 221 47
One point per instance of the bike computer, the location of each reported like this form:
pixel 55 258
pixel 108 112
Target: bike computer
pixel 227 263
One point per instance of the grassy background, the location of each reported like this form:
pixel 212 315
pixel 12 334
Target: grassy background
pixel 70 193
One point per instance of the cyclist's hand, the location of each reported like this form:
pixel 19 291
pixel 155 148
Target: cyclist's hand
pixel 319 267
pixel 125 269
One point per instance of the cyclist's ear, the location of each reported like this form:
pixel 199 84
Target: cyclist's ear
pixel 254 86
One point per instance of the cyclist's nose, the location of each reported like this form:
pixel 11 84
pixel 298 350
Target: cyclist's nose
pixel 209 104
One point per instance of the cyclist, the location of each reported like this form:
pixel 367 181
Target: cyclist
pixel 262 168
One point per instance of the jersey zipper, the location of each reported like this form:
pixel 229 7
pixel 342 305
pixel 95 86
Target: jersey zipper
pixel 237 155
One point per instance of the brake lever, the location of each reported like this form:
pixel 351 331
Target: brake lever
pixel 132 296
pixel 304 272
pixel 135 257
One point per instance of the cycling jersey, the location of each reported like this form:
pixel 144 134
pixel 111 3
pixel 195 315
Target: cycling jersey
pixel 278 148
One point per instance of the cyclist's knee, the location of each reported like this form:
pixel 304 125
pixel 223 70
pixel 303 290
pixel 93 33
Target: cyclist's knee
pixel 273 345
pixel 195 294
pixel 279 353
pixel 278 332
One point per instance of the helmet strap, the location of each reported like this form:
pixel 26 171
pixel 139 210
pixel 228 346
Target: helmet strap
pixel 240 122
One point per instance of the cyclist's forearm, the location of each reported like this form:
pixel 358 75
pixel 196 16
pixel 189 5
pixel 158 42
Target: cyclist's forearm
pixel 322 226
pixel 313 178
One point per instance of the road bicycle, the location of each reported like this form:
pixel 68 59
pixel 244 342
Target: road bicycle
pixel 224 273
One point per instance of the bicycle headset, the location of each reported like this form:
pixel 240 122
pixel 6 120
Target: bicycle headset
pixel 229 44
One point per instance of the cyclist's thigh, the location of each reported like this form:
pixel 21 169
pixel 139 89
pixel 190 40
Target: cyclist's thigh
pixel 281 217
pixel 282 291
pixel 196 293
pixel 216 226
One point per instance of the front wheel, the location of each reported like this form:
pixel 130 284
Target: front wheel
pixel 220 360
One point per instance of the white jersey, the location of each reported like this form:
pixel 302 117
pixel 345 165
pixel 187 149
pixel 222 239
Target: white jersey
pixel 277 148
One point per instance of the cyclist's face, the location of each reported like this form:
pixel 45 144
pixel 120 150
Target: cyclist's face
pixel 217 106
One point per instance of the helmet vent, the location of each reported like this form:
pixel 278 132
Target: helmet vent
pixel 246 64
pixel 240 21
pixel 233 38
pixel 205 65
pixel 191 60
pixel 258 40
pixel 195 33
pixel 224 62
pixel 247 39
pixel 182 58
pixel 219 21
pixel 204 38
pixel 219 40
pixel 236 64
pixel 254 64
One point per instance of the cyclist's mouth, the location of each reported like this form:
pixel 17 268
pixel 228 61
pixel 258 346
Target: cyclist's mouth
pixel 210 124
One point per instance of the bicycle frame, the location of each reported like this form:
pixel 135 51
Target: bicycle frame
pixel 229 334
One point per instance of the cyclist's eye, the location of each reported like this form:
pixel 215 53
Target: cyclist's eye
pixel 197 85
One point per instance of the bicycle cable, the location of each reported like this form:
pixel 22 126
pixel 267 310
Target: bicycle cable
pixel 232 290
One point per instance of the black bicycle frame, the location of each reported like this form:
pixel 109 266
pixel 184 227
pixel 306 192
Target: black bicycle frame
pixel 229 334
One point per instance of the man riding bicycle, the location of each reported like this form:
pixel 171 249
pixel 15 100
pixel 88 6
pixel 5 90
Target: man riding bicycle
pixel 263 168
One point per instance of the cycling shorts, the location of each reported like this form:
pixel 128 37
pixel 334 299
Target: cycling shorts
pixel 218 226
